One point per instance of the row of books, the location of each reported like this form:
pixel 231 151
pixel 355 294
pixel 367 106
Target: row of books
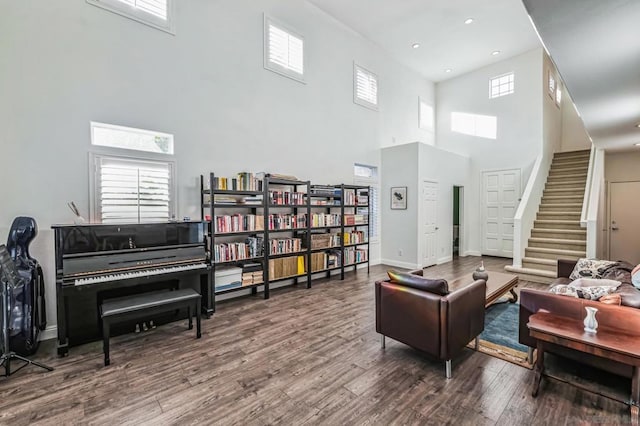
pixel 351 197
pixel 325 219
pixel 354 237
pixel 325 190
pixel 243 181
pixel 287 198
pixel 319 241
pixel 355 255
pixel 355 219
pixel 286 267
pixel 252 247
pixel 287 221
pixel 252 278
pixel 239 223
pixel 285 245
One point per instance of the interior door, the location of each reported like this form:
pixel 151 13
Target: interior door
pixel 624 221
pixel 500 198
pixel 429 223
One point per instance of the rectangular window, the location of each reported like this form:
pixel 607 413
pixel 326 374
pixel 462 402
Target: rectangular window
pixel 131 138
pixel 283 50
pixel 558 96
pixel 501 85
pixel 368 175
pixel 482 126
pixel 155 13
pixel 551 85
pixel 129 190
pixel 426 116
pixel 365 87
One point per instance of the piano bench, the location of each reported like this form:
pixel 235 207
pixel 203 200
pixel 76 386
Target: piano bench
pixel 145 304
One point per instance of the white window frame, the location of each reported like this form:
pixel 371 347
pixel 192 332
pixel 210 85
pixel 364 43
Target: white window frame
pixel 374 183
pixel 94 182
pixel 558 96
pixel 552 84
pixel 511 85
pixel 123 9
pixel 357 99
pixel 94 124
pixel 278 69
pixel 429 126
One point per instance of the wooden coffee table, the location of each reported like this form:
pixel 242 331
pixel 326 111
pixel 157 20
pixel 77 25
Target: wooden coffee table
pixel 608 342
pixel 498 284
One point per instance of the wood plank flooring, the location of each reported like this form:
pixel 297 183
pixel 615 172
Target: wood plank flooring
pixel 305 356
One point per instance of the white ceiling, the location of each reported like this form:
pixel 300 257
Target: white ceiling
pixel 595 45
pixel 438 25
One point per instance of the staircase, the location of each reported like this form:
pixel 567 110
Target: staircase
pixel 556 232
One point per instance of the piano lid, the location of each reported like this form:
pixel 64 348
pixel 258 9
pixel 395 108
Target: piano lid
pixel 97 238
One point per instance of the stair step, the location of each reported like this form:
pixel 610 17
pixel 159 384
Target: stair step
pixel 564 234
pixel 557 177
pixel 570 162
pixel 557 224
pixel 568 171
pixel 566 182
pixel 575 216
pixel 557 243
pixel 572 154
pixel 564 207
pixel 562 192
pixel 558 199
pixel 542 264
pixel 547 253
pixel 533 275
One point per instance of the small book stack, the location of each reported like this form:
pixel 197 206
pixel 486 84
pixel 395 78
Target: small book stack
pixel 252 274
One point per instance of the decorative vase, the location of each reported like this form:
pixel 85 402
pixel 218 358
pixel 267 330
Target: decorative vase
pixel 590 321
pixel 480 273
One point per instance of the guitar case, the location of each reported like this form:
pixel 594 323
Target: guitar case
pixel 27 316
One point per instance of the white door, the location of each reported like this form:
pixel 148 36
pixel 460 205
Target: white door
pixel 429 228
pixel 624 221
pixel 500 198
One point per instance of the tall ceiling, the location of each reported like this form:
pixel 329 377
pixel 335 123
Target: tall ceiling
pixel 595 45
pixel 446 42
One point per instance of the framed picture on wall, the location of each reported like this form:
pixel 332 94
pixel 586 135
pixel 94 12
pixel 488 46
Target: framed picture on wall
pixel 398 198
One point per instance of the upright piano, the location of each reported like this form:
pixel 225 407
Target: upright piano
pixel 102 261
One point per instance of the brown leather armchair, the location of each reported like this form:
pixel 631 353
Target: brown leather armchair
pixel 440 326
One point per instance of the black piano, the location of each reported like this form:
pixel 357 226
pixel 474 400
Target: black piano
pixel 104 261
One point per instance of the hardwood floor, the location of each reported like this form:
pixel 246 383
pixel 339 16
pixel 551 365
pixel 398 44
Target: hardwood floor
pixel 306 356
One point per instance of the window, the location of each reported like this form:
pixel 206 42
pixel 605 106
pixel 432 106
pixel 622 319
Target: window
pixel 365 87
pixel 155 13
pixel 501 85
pixel 128 190
pixel 130 138
pixel 483 126
pixel 283 50
pixel 426 116
pixel 368 175
pixel 558 96
pixel 551 85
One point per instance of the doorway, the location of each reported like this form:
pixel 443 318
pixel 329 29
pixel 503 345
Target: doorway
pixel 500 198
pixel 429 223
pixel 458 206
pixel 624 225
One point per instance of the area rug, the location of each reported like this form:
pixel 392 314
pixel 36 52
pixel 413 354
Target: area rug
pixel 500 336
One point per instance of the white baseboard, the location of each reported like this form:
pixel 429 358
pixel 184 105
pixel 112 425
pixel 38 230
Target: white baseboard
pixel 445 260
pixel 471 253
pixel 405 265
pixel 51 332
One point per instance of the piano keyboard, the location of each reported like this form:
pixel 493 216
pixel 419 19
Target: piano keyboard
pixel 137 274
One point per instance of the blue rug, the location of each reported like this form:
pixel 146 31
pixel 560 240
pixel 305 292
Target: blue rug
pixel 501 326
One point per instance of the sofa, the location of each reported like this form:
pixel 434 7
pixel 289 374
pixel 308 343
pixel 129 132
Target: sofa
pixel 437 324
pixel 624 316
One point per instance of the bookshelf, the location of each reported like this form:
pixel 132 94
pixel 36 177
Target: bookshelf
pixel 274 229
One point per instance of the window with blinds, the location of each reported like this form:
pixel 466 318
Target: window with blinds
pixel 130 190
pixel 283 50
pixel 368 175
pixel 156 13
pixel 365 87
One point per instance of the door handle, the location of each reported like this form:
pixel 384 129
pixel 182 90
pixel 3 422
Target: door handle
pixel 614 228
pixel 437 228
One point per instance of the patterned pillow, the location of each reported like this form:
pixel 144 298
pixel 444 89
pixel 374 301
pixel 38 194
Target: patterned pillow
pixel 580 288
pixel 564 290
pixel 591 268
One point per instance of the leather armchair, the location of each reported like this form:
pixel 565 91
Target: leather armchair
pixel 440 326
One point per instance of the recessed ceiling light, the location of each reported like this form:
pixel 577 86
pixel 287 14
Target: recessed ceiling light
pixel 495 52
pixel 447 70
pixel 468 21
pixel 638 125
pixel 415 45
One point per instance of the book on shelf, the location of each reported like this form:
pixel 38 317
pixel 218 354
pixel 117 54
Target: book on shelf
pixel 355 237
pixel 285 245
pixel 243 181
pixel 319 220
pixel 252 247
pixel 278 176
pixel 355 255
pixel 284 267
pixel 287 198
pixel 319 241
pixel 355 219
pixel 238 223
pixel 286 221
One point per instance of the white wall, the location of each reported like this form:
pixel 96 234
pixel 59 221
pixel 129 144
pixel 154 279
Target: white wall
pixel 63 64
pixel 409 165
pixel 520 126
pixel 574 135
